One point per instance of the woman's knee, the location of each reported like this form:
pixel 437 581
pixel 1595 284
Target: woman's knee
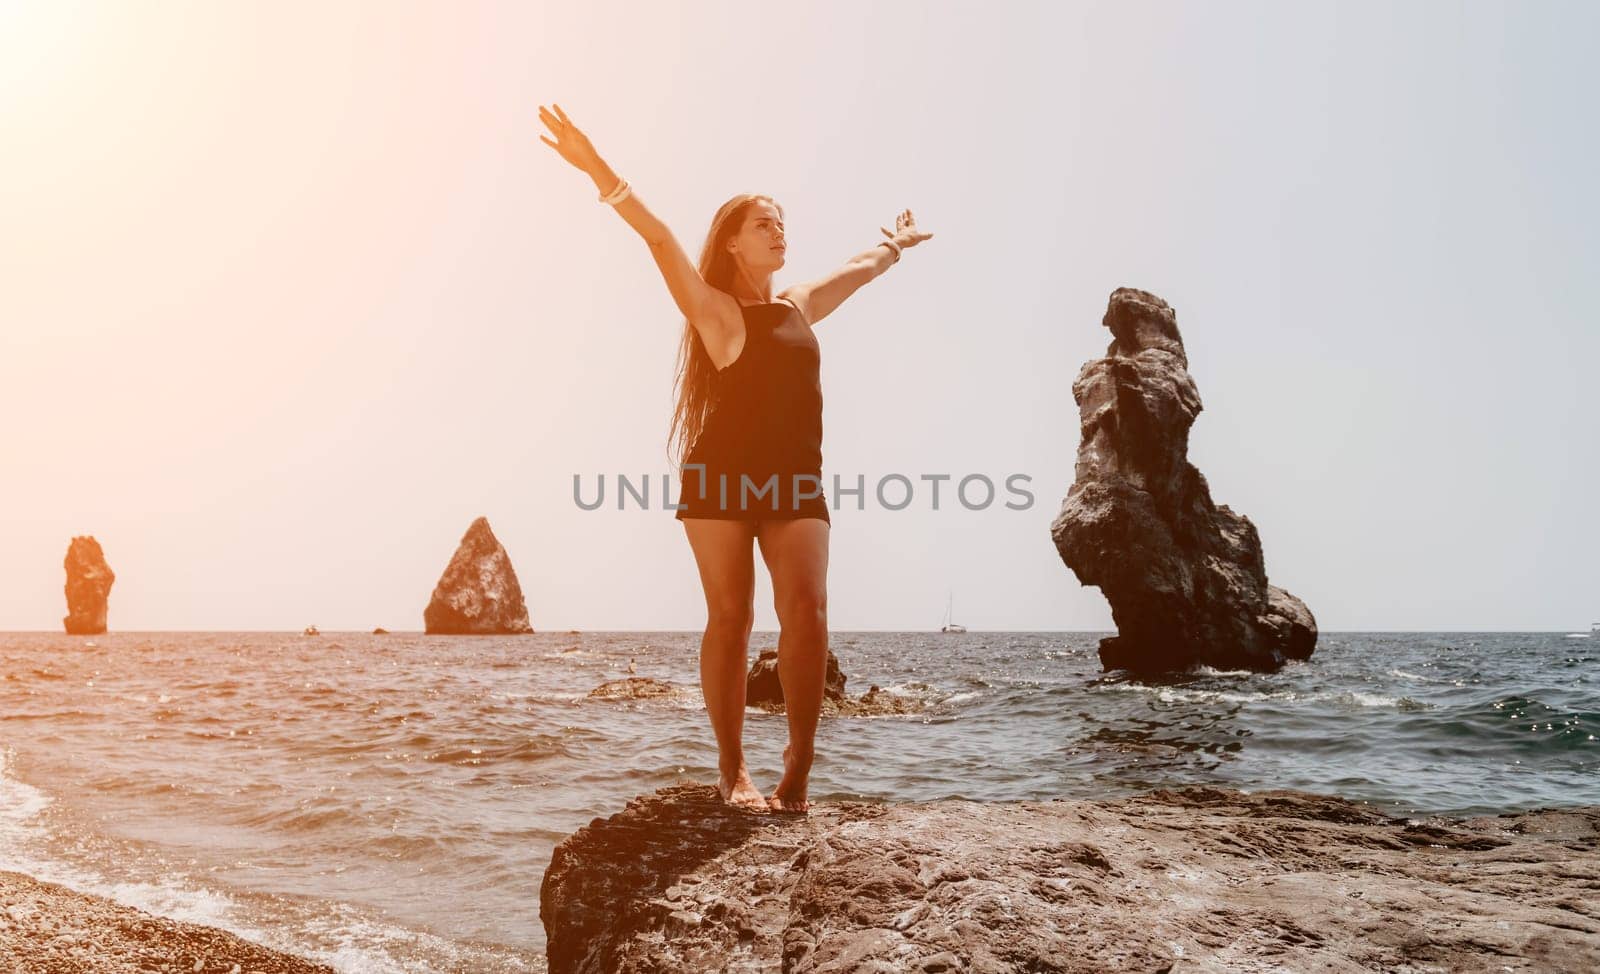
pixel 731 616
pixel 803 610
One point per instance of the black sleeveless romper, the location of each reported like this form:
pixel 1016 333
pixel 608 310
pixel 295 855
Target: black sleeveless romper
pixel 762 442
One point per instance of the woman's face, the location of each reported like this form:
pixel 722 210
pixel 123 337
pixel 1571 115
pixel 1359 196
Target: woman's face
pixel 760 242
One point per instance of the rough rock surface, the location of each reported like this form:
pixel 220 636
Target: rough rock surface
pixel 478 592
pixel 49 929
pixel 89 581
pixel 1185 577
pixel 762 686
pixel 1178 881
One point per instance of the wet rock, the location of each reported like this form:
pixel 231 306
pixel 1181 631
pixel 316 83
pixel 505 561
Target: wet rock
pixel 89 581
pixel 634 688
pixel 1204 878
pixel 1184 576
pixel 478 593
pixel 763 687
pixel 874 703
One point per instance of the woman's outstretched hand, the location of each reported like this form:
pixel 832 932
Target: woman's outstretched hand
pixel 906 233
pixel 570 141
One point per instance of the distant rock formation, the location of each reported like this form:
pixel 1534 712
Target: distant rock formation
pixel 1204 878
pixel 1185 578
pixel 380 631
pixel 762 686
pixel 478 593
pixel 89 581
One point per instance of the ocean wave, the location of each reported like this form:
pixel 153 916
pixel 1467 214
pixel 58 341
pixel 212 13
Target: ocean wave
pixel 20 804
pixel 1343 698
pixel 539 747
pixel 329 932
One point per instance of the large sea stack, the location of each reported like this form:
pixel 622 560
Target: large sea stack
pixel 478 593
pixel 1185 577
pixel 89 581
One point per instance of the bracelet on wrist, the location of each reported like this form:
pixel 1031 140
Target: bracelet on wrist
pixel 894 248
pixel 617 195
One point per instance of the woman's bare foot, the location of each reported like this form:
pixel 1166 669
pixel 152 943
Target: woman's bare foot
pixel 738 789
pixel 790 795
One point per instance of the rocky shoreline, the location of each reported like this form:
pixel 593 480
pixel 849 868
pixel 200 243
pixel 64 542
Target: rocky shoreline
pixel 1175 881
pixel 46 928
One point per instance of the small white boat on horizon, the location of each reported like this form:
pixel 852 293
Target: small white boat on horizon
pixel 949 609
pixel 1594 630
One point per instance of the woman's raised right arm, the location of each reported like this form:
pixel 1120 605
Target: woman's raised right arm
pixel 691 293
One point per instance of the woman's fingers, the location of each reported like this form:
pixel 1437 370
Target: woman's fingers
pixel 562 114
pixel 549 143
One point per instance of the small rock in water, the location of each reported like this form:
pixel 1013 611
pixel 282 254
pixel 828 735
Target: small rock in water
pixel 762 686
pixel 632 688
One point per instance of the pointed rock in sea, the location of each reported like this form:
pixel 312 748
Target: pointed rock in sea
pixel 478 593
pixel 1185 577
pixel 88 587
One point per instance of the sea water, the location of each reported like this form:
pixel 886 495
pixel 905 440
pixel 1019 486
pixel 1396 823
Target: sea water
pixel 390 802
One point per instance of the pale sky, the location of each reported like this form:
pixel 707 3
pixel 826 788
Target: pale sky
pixel 291 292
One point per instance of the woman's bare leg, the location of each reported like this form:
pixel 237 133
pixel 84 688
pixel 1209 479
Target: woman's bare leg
pixel 796 552
pixel 722 550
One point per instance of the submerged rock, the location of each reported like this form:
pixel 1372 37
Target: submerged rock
pixel 876 702
pixel 1185 577
pixel 1204 878
pixel 762 686
pixel 634 688
pixel 478 593
pixel 88 587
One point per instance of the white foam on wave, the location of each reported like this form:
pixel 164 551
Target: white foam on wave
pixel 1168 694
pixel 20 805
pixel 25 837
pixel 358 946
pixel 1365 699
pixel 1173 694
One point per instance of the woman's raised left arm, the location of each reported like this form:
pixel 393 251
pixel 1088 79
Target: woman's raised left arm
pixel 819 298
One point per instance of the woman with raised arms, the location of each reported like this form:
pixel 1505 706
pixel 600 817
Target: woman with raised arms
pixel 749 410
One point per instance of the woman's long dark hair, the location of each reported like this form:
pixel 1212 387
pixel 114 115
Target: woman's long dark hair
pixel 696 382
